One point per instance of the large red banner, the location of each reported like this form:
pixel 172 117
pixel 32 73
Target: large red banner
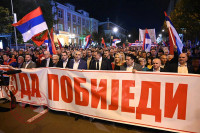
pixel 157 100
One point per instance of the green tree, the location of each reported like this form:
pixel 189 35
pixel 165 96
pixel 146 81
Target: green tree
pixel 187 15
pixel 5 21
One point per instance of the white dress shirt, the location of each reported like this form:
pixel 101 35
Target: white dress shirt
pixel 182 69
pixel 100 61
pixel 65 63
pixel 130 68
pixel 75 66
pixel 27 63
pixel 48 60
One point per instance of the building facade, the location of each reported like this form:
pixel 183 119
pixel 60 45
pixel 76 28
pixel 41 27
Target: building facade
pixel 72 26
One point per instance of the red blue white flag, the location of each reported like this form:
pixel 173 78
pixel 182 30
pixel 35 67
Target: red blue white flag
pixel 147 42
pixel 31 24
pixel 173 36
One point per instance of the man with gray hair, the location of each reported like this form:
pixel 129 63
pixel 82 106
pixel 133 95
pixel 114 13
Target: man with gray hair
pixel 20 61
pixel 47 61
pixel 77 62
pixel 55 60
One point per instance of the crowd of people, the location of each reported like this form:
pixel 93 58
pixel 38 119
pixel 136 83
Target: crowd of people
pixel 126 59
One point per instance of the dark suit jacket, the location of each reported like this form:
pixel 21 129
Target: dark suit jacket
pixel 60 64
pixel 174 68
pixel 82 64
pixel 30 65
pixel 136 66
pixel 161 69
pixel 44 62
pixel 105 64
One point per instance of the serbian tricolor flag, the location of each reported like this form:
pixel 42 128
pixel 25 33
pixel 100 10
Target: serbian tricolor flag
pixel 103 42
pixel 174 38
pixel 60 45
pixel 88 41
pixel 147 42
pixel 51 48
pixel 40 41
pixel 31 24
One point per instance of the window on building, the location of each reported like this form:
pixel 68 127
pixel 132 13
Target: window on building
pixel 60 14
pixel 79 20
pixel 68 17
pixel 74 19
pixel 83 22
pixel 60 27
pixel 69 28
pixel 87 24
pixel 74 31
pixel 77 30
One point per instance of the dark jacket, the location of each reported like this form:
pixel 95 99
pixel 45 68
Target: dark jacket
pixel 161 69
pixel 136 66
pixel 105 64
pixel 44 62
pixel 174 68
pixel 82 64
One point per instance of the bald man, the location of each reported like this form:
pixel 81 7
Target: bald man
pixel 156 66
pixel 182 66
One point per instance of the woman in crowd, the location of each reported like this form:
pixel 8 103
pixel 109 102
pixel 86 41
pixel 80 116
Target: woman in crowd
pixel 143 63
pixel 149 63
pixel 117 62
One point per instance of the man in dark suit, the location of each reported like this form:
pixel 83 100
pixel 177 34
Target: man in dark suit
pixel 130 64
pixel 47 62
pixel 100 63
pixel 107 55
pixel 77 62
pixel 64 62
pixel 156 66
pixel 182 66
pixel 29 63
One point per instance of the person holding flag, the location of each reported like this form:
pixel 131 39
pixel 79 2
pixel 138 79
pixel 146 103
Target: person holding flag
pixel 147 42
pixel 31 24
pixel 174 38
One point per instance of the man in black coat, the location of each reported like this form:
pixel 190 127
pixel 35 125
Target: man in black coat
pixel 47 61
pixel 156 66
pixel 182 66
pixel 100 63
pixel 64 62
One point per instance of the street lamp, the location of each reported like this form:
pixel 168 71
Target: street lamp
pixel 115 29
pixel 129 35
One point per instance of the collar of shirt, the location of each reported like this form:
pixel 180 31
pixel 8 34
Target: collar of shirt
pixel 179 65
pixel 100 60
pixel 77 61
pixel 65 60
pixel 132 65
pixel 157 70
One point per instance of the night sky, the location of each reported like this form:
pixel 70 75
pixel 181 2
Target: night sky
pixel 128 14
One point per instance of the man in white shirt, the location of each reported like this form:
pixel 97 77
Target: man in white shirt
pixel 77 62
pixel 130 64
pixel 47 61
pixel 64 63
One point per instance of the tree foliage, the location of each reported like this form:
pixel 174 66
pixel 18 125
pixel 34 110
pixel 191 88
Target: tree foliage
pixel 5 21
pixel 187 15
